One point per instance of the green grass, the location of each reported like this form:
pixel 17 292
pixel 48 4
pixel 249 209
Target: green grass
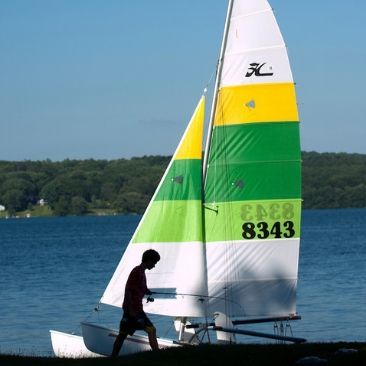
pixel 35 211
pixel 208 355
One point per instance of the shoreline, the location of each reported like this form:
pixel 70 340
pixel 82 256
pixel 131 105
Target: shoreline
pixel 106 213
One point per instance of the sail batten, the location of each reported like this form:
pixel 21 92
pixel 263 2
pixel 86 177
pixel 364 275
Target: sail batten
pixel 242 52
pixel 241 16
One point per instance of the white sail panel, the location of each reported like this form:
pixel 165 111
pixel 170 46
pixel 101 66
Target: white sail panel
pixel 255 51
pixel 244 33
pixel 237 66
pixel 253 279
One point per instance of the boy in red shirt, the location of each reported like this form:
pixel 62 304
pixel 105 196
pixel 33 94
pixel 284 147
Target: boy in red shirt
pixel 134 317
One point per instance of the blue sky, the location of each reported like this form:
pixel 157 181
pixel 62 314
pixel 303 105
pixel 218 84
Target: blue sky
pixel 109 79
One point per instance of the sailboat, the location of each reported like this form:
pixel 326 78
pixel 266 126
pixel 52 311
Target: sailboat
pixel 226 222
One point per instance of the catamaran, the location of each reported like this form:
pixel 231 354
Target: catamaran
pixel 226 223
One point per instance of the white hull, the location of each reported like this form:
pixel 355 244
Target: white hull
pixel 99 339
pixel 69 345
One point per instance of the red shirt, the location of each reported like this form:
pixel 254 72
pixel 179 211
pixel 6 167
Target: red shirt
pixel 135 290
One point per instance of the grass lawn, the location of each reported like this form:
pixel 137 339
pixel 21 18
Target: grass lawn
pixel 209 355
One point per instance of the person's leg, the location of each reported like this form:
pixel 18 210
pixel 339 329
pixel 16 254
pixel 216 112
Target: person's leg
pixel 153 341
pixel 151 332
pixel 118 344
pixel 149 328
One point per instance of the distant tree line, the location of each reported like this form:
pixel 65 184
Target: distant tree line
pixel 78 187
pixel 331 180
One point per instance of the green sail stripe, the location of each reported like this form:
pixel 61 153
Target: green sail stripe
pixel 256 142
pixel 171 221
pixel 254 162
pixel 256 181
pixel 182 182
pixel 252 220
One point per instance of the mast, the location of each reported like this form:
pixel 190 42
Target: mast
pixel 217 82
pixel 210 129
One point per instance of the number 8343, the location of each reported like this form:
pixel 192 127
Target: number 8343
pixel 268 220
pixel 262 230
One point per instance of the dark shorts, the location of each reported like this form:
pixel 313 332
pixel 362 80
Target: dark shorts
pixel 129 324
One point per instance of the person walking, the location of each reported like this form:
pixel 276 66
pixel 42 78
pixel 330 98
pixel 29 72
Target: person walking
pixel 134 317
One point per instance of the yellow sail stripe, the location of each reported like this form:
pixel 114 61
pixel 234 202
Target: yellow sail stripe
pixel 191 144
pixel 256 103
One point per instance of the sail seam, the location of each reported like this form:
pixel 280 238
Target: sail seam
pixel 253 241
pixel 248 50
pixel 248 201
pixel 240 16
pixel 260 280
pixel 260 161
pixel 257 84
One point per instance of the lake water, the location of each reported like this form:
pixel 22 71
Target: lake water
pixel 54 270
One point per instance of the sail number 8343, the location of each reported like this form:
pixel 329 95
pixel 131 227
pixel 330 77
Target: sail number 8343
pixel 273 220
pixel 262 230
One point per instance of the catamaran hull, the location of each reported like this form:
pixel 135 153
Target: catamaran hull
pixel 69 345
pixel 99 339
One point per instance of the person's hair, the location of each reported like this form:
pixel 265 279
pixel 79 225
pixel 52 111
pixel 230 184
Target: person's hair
pixel 151 254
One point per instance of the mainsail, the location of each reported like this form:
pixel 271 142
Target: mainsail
pixel 253 179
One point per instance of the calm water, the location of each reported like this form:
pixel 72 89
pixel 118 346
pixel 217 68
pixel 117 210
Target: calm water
pixel 54 270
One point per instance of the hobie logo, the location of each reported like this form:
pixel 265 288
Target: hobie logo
pixel 256 70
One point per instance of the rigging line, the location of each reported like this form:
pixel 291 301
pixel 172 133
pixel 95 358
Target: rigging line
pixel 217 82
pixel 210 80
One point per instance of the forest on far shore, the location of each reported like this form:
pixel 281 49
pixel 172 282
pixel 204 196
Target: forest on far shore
pixel 79 187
